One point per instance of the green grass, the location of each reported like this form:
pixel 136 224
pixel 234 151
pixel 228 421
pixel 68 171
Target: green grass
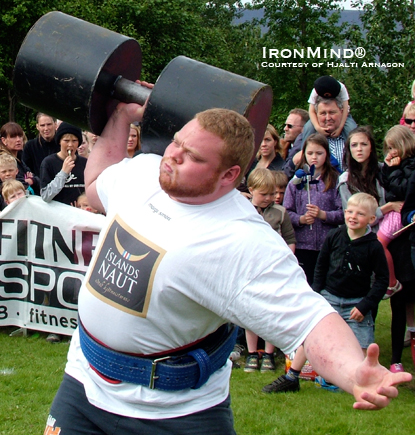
pixel 27 392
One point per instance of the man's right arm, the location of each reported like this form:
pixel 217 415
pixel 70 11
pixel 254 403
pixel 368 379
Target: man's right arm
pixel 110 148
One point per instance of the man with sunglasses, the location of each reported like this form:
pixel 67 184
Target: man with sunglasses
pixel 293 129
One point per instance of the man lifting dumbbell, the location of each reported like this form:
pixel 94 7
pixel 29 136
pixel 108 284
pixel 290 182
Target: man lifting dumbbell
pixel 183 257
pixel 196 256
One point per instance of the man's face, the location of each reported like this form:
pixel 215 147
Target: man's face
pixel 190 169
pixel 329 116
pixel 293 127
pixel 46 127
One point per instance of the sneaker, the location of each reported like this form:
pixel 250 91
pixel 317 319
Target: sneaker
pixel 252 363
pixel 392 290
pixel 53 338
pixel 396 368
pixel 238 350
pixel 322 383
pixel 267 364
pixel 282 385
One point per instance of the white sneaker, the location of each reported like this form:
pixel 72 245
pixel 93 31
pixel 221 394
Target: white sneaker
pixel 392 290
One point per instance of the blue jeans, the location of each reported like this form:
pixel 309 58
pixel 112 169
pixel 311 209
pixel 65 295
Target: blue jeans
pixel 364 330
pixel 74 415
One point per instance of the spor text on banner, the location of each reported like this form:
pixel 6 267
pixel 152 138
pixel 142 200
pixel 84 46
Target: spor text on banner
pixel 45 250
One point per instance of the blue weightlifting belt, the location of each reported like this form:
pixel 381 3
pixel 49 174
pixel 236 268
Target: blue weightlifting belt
pixel 191 369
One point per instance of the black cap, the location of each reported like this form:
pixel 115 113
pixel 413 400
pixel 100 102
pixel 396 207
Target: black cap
pixel 65 128
pixel 327 87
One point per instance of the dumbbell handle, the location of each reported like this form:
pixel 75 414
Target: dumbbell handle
pixel 128 91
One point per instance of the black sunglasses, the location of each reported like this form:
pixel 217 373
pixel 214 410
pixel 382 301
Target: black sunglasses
pixel 291 125
pixel 409 121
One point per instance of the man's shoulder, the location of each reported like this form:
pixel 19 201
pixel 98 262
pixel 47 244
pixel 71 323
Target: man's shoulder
pixel 141 167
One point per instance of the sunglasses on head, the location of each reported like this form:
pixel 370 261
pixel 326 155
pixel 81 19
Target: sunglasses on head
pixel 291 125
pixel 409 121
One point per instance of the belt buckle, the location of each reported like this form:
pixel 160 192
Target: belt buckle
pixel 153 371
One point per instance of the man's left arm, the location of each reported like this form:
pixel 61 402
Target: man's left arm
pixel 335 354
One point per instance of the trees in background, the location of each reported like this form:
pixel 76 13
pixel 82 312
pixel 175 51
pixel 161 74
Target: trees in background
pixel 164 28
pixel 207 31
pixel 297 24
pixel 379 95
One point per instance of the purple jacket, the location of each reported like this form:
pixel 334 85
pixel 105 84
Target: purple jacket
pixel 295 202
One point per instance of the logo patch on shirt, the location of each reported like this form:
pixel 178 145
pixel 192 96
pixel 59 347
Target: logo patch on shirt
pixel 124 269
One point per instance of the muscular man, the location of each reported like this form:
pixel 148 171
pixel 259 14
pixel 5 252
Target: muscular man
pixel 35 150
pixel 182 254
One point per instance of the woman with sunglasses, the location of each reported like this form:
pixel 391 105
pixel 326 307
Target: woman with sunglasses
pixel 409 117
pixel 405 114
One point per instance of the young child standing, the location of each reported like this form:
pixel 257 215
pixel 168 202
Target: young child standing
pixel 349 256
pixel 262 187
pixel 62 174
pixel 399 150
pixel 281 181
pixel 315 209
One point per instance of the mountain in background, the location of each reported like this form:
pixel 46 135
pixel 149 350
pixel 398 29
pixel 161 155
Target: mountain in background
pixel 346 16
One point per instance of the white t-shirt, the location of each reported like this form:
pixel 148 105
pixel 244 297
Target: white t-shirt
pixel 165 274
pixel 343 94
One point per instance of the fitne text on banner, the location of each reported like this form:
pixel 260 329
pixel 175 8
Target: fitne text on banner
pixel 45 250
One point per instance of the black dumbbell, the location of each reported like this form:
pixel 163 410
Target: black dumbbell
pixel 78 72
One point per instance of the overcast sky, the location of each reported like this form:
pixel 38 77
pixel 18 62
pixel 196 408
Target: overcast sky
pixel 347 3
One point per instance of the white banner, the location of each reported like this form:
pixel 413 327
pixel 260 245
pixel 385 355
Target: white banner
pixel 45 250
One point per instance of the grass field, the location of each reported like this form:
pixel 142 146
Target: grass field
pixel 31 370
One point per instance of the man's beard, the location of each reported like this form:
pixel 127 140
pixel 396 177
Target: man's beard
pixel 172 186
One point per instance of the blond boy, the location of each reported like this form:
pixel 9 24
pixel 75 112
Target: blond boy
pixel 347 260
pixel 12 190
pixel 8 167
pixel 263 187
